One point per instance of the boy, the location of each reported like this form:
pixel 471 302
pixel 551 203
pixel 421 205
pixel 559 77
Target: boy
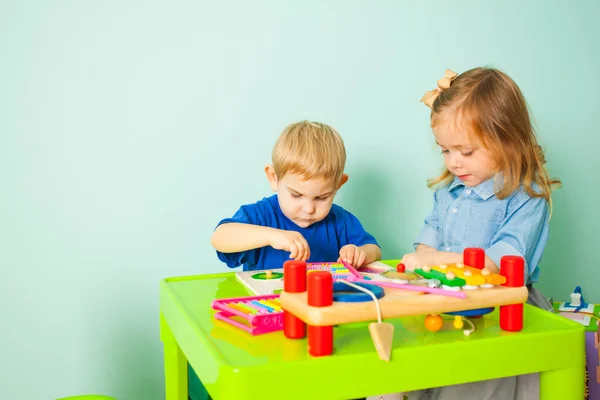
pixel 300 222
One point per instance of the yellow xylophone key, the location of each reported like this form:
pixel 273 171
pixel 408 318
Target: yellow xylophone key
pixel 490 277
pixel 243 308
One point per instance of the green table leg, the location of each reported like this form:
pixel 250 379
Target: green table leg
pixel 176 383
pixel 560 384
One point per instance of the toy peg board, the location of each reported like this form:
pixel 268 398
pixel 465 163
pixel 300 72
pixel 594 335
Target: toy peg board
pixel 399 303
pixel 260 283
pixel 263 283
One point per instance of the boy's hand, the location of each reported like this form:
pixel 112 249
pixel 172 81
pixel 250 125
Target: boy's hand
pixel 290 241
pixel 353 255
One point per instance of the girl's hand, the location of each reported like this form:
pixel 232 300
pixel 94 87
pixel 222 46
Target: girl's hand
pixel 353 255
pixel 290 241
pixel 419 259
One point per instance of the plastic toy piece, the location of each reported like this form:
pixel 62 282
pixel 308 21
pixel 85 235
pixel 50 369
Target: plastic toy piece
pixel 458 322
pixel 433 274
pixel 577 300
pixel 433 323
pixel 262 313
pixel 343 292
pixel 414 288
pixel 294 282
pixel 475 313
pixel 339 270
pixel 400 268
pixel 320 294
pixel 511 316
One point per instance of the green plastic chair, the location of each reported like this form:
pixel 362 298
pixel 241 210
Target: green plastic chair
pixel 88 397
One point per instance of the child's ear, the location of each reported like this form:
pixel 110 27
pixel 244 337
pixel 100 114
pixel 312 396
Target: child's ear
pixel 272 177
pixel 343 180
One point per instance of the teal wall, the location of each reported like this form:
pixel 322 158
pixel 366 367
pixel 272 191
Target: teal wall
pixel 129 128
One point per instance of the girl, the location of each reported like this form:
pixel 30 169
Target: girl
pixel 494 193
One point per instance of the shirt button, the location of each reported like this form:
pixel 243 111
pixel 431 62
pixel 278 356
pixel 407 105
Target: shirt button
pixel 468 192
pixel 454 211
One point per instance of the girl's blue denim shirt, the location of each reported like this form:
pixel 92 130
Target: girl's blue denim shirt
pixel 474 217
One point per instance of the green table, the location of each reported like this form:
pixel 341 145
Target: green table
pixel 235 365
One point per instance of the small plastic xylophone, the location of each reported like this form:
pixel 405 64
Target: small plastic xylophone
pixel 262 314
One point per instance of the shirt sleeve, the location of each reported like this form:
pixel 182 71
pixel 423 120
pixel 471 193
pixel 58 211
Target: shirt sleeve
pixel 523 233
pixel 355 233
pixel 429 235
pixel 245 215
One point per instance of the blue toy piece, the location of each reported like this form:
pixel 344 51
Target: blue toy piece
pixel 347 294
pixel 582 304
pixel 472 313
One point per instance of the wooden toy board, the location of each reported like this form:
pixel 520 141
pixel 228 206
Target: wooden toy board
pixel 399 303
pixel 258 283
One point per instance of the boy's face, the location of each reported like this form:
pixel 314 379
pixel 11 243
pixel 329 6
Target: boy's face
pixel 469 161
pixel 305 202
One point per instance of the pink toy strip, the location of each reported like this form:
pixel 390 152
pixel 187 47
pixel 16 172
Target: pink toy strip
pixel 449 293
pixel 353 271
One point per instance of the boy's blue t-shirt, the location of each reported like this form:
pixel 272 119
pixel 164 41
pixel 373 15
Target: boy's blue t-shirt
pixel 325 238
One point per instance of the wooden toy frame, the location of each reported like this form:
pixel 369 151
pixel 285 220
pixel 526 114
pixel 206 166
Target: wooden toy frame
pixel 307 301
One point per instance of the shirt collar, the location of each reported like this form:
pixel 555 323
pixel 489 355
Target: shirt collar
pixel 485 189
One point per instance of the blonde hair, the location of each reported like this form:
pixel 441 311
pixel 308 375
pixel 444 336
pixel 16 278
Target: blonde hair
pixel 490 105
pixel 311 149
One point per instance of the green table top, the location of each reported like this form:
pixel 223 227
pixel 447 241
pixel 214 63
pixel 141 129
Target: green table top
pixel 234 364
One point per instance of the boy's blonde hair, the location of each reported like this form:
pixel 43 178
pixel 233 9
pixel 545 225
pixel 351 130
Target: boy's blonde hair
pixel 490 105
pixel 310 149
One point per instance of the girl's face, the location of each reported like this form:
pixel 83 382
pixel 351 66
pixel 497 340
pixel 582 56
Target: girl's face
pixel 468 160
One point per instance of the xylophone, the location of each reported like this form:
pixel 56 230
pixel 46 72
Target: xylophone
pixel 260 314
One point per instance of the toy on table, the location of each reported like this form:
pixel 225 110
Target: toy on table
pixel 261 314
pixel 309 302
pixel 577 309
pixel 271 281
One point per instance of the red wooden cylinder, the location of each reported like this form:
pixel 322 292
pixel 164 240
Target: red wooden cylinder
pixel 474 257
pixel 293 327
pixel 511 316
pixel 320 294
pixel 320 340
pixel 320 289
pixel 513 268
pixel 294 276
